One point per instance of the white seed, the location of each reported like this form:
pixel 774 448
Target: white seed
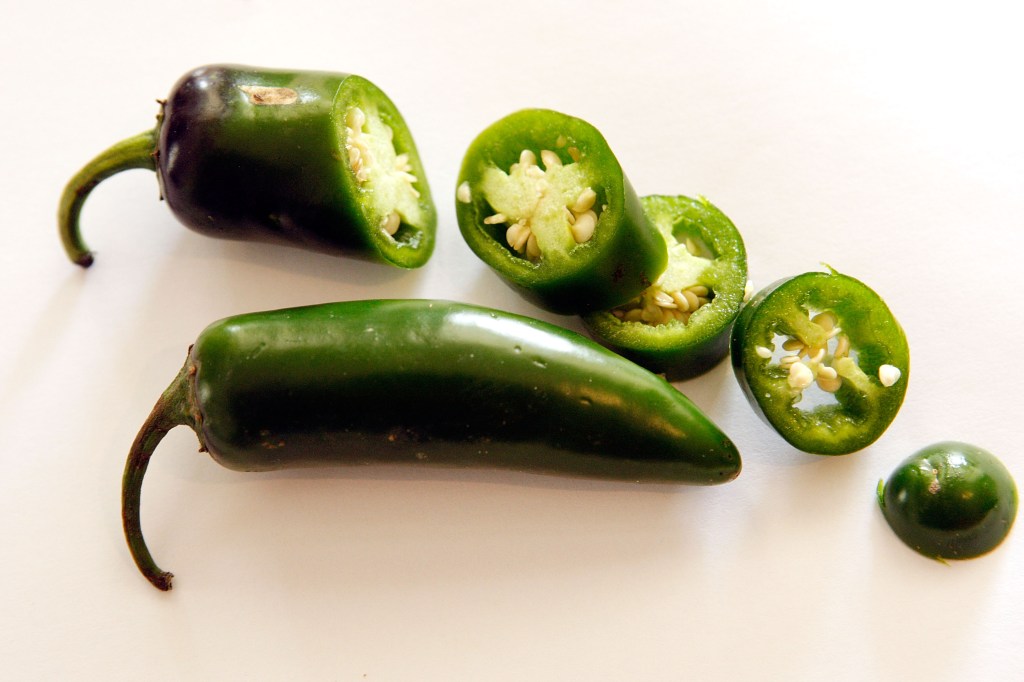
pixel 634 315
pixel 391 223
pixel 763 352
pixel 527 158
pixel 583 228
pixel 463 193
pixel 889 375
pixel 829 385
pixel 355 118
pixel 836 331
pixel 664 300
pixel 748 290
pixel 818 354
pixel 793 344
pixel 825 320
pixel 827 373
pixel 362 175
pixel 532 248
pixel 788 360
pixel 691 246
pixel 517 235
pixel 800 376
pixel 681 301
pixel 700 290
pixel 691 298
pixel 354 158
pixel 550 159
pixel 585 201
pixel 842 347
pixel 495 219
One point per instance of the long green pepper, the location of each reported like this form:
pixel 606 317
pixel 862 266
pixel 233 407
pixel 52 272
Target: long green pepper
pixel 427 383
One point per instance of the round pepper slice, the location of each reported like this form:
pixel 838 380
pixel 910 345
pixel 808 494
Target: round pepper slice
pixel 950 500
pixel 543 201
pixel 679 326
pixel 322 161
pixel 822 360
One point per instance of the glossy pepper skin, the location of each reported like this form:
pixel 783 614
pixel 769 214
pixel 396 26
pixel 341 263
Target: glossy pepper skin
pixel 264 155
pixel 856 414
pixel 624 255
pixel 950 500
pixel 425 383
pixel 676 348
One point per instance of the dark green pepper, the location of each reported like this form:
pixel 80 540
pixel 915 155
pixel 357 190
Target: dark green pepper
pixel 679 326
pixel 950 500
pixel 317 160
pixel 423 382
pixel 830 336
pixel 542 200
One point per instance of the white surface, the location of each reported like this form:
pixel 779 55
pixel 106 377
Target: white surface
pixel 884 138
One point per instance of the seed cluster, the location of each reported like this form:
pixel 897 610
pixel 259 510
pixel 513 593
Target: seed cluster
pixel 580 215
pixel 814 365
pixel 361 159
pixel 658 305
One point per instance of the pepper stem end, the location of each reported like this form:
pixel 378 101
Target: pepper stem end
pixel 169 411
pixel 138 151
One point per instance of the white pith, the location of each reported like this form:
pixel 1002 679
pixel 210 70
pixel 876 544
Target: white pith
pixel 677 294
pixel 380 170
pixel 547 209
pixel 826 365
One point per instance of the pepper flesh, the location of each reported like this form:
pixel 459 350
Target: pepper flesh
pixel 266 155
pixel 544 175
pixel 950 500
pixel 663 330
pixel 869 347
pixel 423 382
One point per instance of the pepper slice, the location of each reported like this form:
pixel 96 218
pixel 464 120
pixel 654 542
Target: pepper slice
pixel 427 383
pixel 323 161
pixel 679 326
pixel 950 500
pixel 543 201
pixel 823 360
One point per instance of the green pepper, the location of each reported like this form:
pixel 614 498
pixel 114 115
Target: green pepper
pixel 543 201
pixel 317 160
pixel 822 360
pixel 679 326
pixel 950 500
pixel 422 382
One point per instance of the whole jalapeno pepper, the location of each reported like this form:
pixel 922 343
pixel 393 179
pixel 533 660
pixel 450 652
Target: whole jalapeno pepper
pixel 322 161
pixel 823 360
pixel 543 201
pixel 950 500
pixel 428 383
pixel 679 326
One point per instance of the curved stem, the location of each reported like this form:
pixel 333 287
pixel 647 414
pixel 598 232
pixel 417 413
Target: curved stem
pixel 170 410
pixel 135 152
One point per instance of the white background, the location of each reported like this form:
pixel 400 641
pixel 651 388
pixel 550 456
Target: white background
pixel 884 138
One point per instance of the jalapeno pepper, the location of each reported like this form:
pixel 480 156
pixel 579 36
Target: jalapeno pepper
pixel 542 200
pixel 426 383
pixel 679 326
pixel 950 500
pixel 823 360
pixel 317 160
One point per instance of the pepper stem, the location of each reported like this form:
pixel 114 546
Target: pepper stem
pixel 135 152
pixel 170 410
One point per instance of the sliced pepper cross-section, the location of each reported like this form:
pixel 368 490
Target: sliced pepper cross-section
pixel 823 360
pixel 679 326
pixel 543 201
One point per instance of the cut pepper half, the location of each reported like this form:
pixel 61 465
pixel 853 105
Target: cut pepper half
pixel 679 326
pixel 823 360
pixel 542 200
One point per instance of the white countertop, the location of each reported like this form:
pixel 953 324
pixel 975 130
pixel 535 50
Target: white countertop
pixel 883 138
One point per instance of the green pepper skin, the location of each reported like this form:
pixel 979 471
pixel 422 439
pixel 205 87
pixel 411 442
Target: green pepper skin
pixel 626 253
pixel 860 413
pixel 260 155
pixel 950 500
pixel 427 383
pixel 684 350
